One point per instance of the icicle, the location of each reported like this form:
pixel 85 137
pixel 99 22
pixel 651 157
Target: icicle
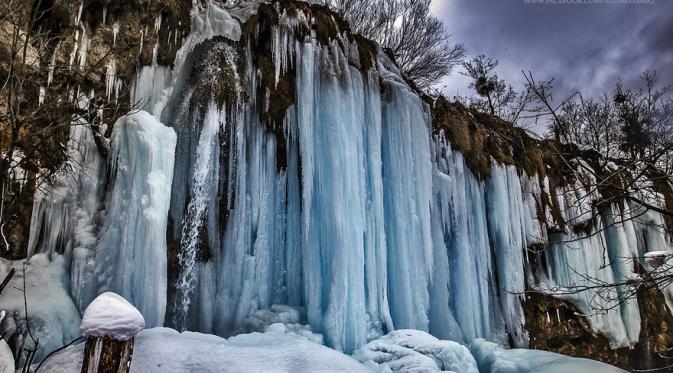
pixel 41 95
pixel 115 31
pixel 104 14
pixel 118 86
pixel 79 12
pixel 84 47
pixel 143 32
pixel 52 64
pixel 558 316
pixel 73 55
pixel 155 52
pixel 111 77
pixel 157 24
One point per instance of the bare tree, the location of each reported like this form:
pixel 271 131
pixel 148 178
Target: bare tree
pixel 624 143
pixel 417 40
pixel 42 95
pixel 495 96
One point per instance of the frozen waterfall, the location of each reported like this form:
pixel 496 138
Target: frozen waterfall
pixel 348 207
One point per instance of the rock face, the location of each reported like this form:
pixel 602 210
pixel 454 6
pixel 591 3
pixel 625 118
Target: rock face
pixel 308 172
pixel 556 325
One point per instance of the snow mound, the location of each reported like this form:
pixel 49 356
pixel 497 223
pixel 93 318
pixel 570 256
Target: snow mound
pixel 110 315
pixel 167 351
pixel 280 318
pixel 6 358
pixel 53 317
pixel 416 351
pixel 261 319
pixel 494 359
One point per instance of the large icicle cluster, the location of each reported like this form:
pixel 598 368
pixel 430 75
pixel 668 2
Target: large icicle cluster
pixel 347 207
pixel 608 251
pixel 108 216
pixel 365 224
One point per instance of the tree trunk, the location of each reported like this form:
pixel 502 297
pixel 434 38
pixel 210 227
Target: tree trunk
pixel 107 355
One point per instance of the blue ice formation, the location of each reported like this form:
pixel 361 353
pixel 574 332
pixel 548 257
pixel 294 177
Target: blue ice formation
pixel 351 207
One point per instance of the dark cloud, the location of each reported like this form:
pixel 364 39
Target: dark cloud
pixel 585 47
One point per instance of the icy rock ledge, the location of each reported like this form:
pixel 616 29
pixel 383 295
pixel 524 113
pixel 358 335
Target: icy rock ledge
pixel 415 351
pixel 110 315
pixel 54 319
pixel 492 358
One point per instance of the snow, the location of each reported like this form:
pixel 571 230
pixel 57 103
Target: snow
pixel 6 358
pixel 494 359
pixel 110 315
pixel 657 258
pixel 167 351
pixel 415 351
pixel 53 317
pixel 280 317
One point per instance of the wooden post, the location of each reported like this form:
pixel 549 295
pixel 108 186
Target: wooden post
pixel 107 355
pixel 110 324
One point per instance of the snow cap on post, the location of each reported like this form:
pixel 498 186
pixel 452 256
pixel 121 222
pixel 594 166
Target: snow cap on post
pixel 110 315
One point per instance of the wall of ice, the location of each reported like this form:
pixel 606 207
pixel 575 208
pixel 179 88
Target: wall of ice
pixel 107 216
pixel 350 207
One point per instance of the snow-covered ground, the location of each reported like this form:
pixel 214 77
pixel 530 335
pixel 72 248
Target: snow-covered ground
pixel 280 349
pixel 165 350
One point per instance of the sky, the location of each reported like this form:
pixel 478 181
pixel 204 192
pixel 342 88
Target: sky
pixel 584 47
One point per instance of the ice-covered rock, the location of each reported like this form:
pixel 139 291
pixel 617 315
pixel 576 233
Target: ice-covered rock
pixel 6 358
pixel 416 351
pixel 492 358
pixel 283 314
pixel 280 318
pixel 163 350
pixel 110 315
pixel 53 318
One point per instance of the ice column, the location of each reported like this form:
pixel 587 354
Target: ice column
pixel 131 251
